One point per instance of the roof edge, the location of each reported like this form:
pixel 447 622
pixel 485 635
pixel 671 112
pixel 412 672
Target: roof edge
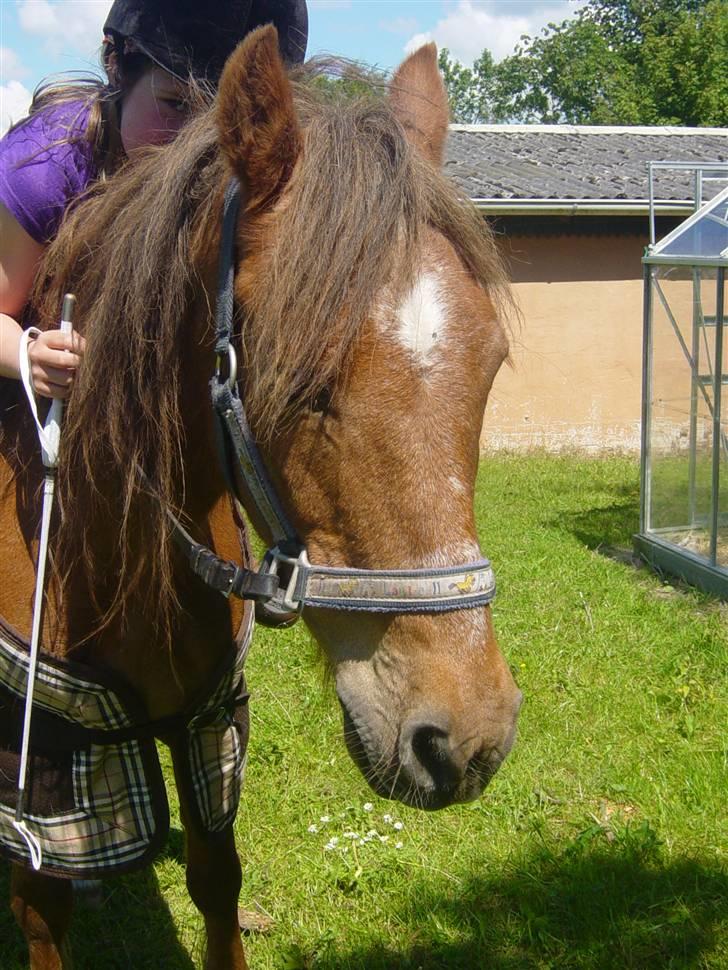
pixel 589 130
pixel 583 207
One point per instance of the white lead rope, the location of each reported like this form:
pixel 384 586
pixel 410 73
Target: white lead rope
pixel 49 436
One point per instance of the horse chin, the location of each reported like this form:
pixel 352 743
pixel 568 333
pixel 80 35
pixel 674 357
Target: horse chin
pixel 388 779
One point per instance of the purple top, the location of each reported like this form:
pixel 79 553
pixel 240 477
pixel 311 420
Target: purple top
pixel 42 172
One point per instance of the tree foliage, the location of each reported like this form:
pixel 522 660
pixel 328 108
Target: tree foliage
pixel 342 80
pixel 651 62
pixel 471 90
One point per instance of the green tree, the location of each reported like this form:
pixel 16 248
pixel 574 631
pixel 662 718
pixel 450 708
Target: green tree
pixel 627 23
pixel 570 74
pixel 342 81
pixel 617 62
pixel 686 70
pixel 470 90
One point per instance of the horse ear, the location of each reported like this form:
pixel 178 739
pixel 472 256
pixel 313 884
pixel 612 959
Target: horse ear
pixel 257 124
pixel 420 102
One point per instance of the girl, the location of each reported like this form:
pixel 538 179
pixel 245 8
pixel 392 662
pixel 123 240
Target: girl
pixel 156 54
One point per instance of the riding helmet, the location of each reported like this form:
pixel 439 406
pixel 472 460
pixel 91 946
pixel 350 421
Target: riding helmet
pixel 197 36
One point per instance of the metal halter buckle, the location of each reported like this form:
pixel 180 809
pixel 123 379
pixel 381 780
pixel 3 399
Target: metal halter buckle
pixel 273 560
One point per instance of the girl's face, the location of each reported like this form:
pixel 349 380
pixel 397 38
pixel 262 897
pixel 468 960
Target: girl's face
pixel 153 110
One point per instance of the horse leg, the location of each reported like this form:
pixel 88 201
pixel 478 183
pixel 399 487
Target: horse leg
pixel 42 906
pixel 214 878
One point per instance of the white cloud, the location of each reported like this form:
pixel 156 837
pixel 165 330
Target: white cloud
pixel 471 27
pixel 65 26
pixel 10 65
pixel 15 100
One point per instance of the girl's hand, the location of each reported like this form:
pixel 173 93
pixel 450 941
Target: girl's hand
pixel 54 357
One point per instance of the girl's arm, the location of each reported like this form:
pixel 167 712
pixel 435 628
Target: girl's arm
pixel 54 356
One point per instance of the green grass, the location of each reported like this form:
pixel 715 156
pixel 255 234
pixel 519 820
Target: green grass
pixel 601 842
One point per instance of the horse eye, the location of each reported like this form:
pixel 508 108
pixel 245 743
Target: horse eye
pixel 322 401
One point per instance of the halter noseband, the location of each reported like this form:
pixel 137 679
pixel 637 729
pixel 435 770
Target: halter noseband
pixel 287 581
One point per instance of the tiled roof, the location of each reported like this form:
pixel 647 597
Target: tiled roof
pixel 563 162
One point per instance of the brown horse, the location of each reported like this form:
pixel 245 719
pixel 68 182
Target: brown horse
pixel 368 296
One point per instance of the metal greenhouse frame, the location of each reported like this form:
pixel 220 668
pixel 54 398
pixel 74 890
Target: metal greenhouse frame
pixel 684 475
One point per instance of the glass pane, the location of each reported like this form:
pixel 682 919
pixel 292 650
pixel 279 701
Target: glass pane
pixel 706 236
pixel 681 407
pixel 722 540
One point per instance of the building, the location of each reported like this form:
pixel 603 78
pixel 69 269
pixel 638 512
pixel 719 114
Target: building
pixel 570 206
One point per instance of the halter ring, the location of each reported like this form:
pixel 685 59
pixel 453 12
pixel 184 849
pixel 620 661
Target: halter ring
pixel 232 367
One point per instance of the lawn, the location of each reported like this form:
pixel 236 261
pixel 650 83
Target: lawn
pixel 600 844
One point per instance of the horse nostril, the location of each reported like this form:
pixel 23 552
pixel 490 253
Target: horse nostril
pixel 433 752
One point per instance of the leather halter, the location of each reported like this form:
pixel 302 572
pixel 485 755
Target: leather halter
pixel 298 582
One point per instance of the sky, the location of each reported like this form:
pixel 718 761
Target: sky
pixel 45 37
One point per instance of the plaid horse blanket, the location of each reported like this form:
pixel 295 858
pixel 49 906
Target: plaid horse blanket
pixel 95 796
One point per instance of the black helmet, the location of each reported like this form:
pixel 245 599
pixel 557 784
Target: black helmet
pixel 197 36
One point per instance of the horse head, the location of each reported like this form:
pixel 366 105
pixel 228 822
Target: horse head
pixel 370 340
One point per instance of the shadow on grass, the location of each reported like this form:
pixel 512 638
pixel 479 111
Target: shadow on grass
pixel 607 529
pixel 132 930
pixel 174 847
pixel 593 908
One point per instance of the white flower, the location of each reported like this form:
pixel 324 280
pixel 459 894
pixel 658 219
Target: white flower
pixel 325 819
pixel 372 834
pixel 331 844
pixel 313 828
pixel 384 838
pixel 387 818
pixel 351 835
pixel 398 845
pixel 368 807
pixel 399 826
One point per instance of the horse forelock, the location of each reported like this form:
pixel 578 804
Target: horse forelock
pixel 348 224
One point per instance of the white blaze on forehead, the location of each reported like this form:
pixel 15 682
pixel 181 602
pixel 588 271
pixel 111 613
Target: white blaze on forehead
pixel 422 317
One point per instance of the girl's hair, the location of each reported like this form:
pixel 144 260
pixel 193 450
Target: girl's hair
pixel 101 97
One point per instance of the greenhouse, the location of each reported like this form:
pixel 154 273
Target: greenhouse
pixel 684 495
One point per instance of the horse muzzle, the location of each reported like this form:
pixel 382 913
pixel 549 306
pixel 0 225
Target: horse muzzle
pixel 427 767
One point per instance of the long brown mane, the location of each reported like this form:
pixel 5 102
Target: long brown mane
pixel 355 209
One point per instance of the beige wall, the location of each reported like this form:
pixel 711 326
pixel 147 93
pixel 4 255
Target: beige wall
pixel 577 358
